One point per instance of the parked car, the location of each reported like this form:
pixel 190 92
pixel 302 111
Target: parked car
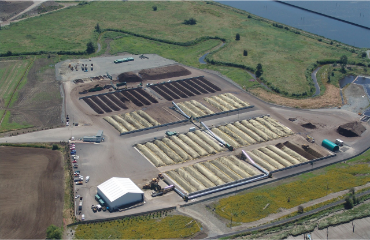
pixel 75 165
pixel 77 196
pixel 87 178
pixel 83 217
pixel 74 161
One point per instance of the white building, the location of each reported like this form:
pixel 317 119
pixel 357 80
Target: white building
pixel 120 192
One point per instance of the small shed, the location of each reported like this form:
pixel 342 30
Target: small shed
pixel 97 138
pixel 120 192
pixel 330 145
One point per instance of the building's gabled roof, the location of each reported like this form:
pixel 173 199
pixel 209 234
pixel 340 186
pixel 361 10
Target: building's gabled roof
pixel 116 187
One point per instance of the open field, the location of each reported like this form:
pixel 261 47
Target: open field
pixel 265 200
pixel 11 73
pixel 32 192
pixel 166 23
pixel 157 225
pixel 9 9
pixel 37 101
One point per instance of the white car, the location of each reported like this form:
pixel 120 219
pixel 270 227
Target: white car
pixel 83 217
pixel 87 178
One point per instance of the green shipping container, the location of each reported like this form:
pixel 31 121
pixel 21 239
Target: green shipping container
pixel 330 145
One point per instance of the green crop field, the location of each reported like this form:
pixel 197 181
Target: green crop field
pixel 283 54
pixel 142 227
pixel 261 202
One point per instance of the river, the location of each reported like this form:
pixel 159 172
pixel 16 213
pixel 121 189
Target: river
pixel 356 12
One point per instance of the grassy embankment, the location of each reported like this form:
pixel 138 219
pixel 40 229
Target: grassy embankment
pixel 260 202
pixel 13 76
pixel 151 226
pixel 283 54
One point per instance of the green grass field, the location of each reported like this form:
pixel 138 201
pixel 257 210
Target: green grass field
pixel 283 54
pixel 261 202
pixel 10 74
pixel 141 227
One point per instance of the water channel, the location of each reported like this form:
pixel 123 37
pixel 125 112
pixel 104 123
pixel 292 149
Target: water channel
pixel 315 23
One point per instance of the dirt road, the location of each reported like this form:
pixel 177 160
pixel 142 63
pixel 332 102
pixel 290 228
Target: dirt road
pixel 31 192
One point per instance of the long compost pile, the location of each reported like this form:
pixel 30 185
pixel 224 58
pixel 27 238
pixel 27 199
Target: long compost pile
pixel 193 145
pixel 131 121
pixel 212 173
pixel 232 168
pixel 226 102
pixel 194 108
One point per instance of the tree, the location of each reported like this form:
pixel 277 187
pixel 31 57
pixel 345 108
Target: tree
pixel 90 48
pixel 343 61
pixel 259 70
pixel 53 232
pixel 55 147
pixel 154 8
pixel 245 53
pixel 190 21
pixel 363 54
pixel 9 53
pixel 237 37
pixel 97 28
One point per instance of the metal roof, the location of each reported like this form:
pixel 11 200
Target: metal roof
pixel 100 133
pixel 115 188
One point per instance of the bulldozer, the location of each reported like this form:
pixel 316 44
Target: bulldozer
pixel 305 146
pixel 310 139
pixel 153 184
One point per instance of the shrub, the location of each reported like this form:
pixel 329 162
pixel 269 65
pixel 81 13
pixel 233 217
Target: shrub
pixel 53 232
pixel 154 8
pixel 55 147
pixel 90 48
pixel 190 21
pixel 245 53
pixel 237 37
pixel 348 202
pixel 320 40
pixel 97 28
pixel 249 16
pixel 300 209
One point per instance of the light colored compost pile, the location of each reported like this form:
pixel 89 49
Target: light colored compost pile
pixel 194 108
pixel 192 145
pixel 212 173
pixel 273 158
pixel 131 121
pixel 226 102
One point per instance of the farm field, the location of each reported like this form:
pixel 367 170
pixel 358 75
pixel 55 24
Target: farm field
pixel 32 192
pixel 259 203
pixel 37 101
pixel 166 23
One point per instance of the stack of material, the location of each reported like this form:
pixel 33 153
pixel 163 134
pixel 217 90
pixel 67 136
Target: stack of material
pixel 352 129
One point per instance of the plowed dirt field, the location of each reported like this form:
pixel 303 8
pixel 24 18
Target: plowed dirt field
pixel 31 192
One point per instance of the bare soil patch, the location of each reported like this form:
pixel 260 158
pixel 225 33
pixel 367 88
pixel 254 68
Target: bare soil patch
pixel 31 192
pixel 164 72
pixel 331 98
pixel 10 8
pixel 43 8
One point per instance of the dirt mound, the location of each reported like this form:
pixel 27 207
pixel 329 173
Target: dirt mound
pixel 309 126
pixel 164 72
pixel 129 77
pixel 352 129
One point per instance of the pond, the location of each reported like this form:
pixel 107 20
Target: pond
pixel 346 80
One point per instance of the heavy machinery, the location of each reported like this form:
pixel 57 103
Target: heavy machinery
pixel 169 133
pixel 153 184
pixel 163 191
pixel 228 146
pixel 305 146
pixel 310 139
